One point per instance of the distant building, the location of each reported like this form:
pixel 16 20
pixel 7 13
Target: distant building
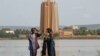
pixel 10 31
pixel 7 30
pixel 49 19
pixel 74 27
pixel 49 16
pixel 64 33
pixel 22 36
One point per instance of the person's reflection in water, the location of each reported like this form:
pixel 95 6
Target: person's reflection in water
pixel 48 44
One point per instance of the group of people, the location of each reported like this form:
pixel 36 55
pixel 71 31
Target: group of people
pixel 48 48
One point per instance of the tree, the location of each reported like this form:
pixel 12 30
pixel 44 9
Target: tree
pixel 81 31
pixel 20 31
pixel 92 32
pixel 76 32
pixel 98 31
pixel 17 32
pixel 6 35
pixel 65 28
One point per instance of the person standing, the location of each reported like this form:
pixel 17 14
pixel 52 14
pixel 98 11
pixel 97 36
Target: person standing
pixel 33 42
pixel 48 44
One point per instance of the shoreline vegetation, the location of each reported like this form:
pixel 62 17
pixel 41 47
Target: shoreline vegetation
pixel 81 33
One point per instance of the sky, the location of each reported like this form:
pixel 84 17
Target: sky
pixel 27 12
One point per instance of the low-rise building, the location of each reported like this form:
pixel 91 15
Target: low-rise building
pixel 10 31
pixel 22 36
pixel 74 27
pixel 64 33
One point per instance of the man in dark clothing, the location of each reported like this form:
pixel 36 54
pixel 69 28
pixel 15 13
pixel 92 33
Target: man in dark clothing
pixel 48 44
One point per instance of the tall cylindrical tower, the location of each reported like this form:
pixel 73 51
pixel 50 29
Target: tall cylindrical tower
pixel 49 16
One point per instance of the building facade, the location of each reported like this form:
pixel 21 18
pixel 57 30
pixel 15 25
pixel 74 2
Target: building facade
pixel 49 16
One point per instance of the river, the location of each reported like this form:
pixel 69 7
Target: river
pixel 63 47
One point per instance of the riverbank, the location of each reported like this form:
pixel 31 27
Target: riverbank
pixel 58 38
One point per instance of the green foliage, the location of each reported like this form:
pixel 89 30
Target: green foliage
pixel 98 31
pixel 18 32
pixel 6 35
pixel 65 28
pixel 76 32
pixel 85 31
pixel 92 32
pixel 81 31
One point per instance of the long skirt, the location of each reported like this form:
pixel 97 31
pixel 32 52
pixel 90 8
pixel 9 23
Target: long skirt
pixel 48 44
pixel 31 48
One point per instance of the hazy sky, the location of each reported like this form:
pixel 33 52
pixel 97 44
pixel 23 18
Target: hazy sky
pixel 27 12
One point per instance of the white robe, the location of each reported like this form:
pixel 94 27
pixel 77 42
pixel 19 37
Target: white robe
pixel 32 38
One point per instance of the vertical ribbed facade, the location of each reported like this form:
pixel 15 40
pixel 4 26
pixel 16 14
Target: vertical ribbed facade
pixel 49 16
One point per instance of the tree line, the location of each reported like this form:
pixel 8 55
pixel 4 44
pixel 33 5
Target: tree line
pixel 85 31
pixel 16 34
